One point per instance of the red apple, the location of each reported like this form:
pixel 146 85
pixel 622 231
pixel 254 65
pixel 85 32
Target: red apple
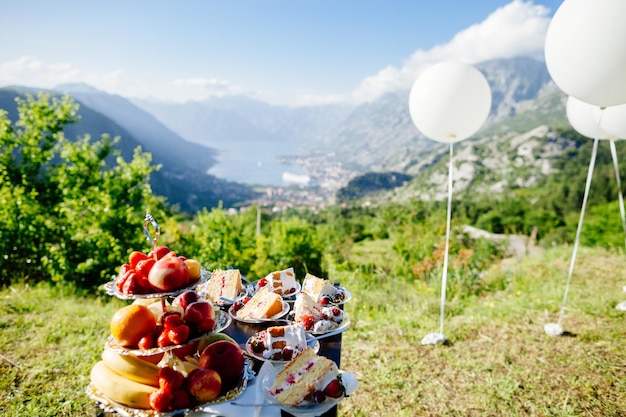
pixel 226 359
pixel 168 273
pixel 199 311
pixel 203 384
pixel 186 298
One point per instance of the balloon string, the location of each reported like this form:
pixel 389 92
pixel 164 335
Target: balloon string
pixel 619 187
pixel 580 225
pixel 445 255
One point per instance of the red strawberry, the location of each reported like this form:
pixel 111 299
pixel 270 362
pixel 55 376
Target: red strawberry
pixel 171 319
pixel 262 282
pixel 170 379
pixel 178 334
pixel 135 257
pixel 160 400
pixel 164 340
pixel 334 389
pixel 144 266
pixel 181 400
pixel 308 321
pixel 146 342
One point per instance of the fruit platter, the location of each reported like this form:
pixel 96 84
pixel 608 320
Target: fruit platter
pixel 167 352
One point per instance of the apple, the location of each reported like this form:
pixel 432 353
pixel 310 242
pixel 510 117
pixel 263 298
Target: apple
pixel 168 273
pixel 199 311
pixel 226 359
pixel 186 298
pixel 204 384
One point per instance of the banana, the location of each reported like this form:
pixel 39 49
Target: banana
pixel 120 389
pixel 131 367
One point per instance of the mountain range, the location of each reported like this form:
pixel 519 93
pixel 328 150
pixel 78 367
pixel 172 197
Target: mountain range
pixel 221 148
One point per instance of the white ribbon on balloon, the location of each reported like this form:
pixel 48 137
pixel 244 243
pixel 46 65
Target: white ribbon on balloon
pixel 448 103
pixel 590 120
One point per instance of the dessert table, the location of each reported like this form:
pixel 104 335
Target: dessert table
pixel 330 347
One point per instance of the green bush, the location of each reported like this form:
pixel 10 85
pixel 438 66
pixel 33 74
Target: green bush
pixel 65 215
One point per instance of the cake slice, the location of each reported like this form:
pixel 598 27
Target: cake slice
pixel 281 343
pixel 264 304
pixel 314 316
pixel 225 284
pixel 308 378
pixel 318 288
pixel 281 282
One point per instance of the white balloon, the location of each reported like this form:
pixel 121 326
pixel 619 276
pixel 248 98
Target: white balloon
pixel 585 118
pixel 585 50
pixel 614 121
pixel 450 101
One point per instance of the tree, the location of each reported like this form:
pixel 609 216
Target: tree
pixel 65 215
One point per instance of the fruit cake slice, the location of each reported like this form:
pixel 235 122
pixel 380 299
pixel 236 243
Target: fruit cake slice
pixel 308 378
pixel 225 284
pixel 264 304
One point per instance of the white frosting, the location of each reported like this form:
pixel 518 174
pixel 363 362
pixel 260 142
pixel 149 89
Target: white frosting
pixel 295 339
pixel 309 288
pixel 325 318
pixel 284 282
pixel 330 376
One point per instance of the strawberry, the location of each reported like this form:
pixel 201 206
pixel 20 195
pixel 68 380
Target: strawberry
pixel 262 282
pixel 171 319
pixel 170 379
pixel 135 257
pixel 160 400
pixel 125 272
pixel 146 342
pixel 178 334
pixel 308 321
pixel 287 354
pixel 164 340
pixel 334 389
pixel 181 400
pixel 144 266
pixel 319 396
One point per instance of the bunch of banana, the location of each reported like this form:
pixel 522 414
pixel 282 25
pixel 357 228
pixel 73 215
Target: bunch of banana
pixel 131 367
pixel 120 389
pixel 129 381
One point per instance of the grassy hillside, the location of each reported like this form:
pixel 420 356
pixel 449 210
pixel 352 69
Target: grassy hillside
pixel 498 362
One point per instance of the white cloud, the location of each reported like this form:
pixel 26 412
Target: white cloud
pixel 516 29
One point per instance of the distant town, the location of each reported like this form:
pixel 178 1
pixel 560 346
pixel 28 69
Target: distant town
pixel 326 177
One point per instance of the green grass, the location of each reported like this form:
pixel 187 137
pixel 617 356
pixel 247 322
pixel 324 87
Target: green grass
pixel 498 360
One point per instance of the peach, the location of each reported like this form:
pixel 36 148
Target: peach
pixel 203 384
pixel 199 311
pixel 186 298
pixel 169 273
pixel 226 359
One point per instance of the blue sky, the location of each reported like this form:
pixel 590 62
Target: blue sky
pixel 284 52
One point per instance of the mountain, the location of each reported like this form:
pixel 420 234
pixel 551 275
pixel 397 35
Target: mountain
pixel 182 177
pixel 248 141
pixel 377 136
